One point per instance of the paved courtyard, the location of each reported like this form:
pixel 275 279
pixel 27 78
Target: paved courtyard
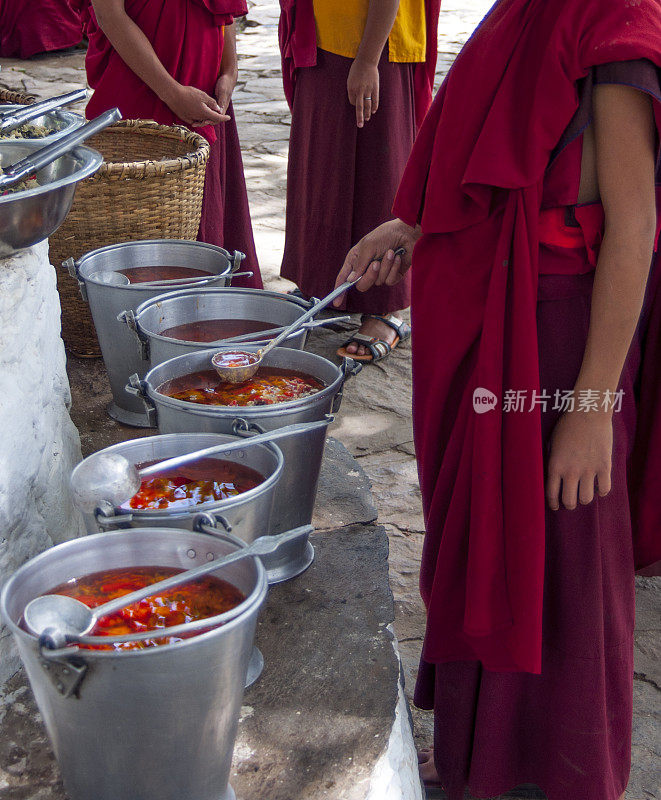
pixel 375 422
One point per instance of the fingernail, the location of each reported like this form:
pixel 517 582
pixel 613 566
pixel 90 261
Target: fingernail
pixel 352 276
pixel 376 266
pixel 390 255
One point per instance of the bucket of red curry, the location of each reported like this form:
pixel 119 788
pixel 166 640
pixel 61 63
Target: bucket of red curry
pixel 188 320
pixel 165 708
pixel 193 263
pixel 234 491
pixel 291 386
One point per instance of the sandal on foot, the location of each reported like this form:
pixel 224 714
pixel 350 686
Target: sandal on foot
pixel 378 348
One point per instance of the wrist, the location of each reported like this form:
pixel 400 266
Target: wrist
pixel 170 91
pixel 367 59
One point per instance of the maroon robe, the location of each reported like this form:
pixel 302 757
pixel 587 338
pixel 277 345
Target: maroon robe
pixel 528 655
pixel 332 167
pixel 187 37
pixel 28 27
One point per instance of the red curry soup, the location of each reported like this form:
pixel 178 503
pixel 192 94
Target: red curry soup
pixel 269 385
pixel 204 481
pixel 162 272
pixel 199 599
pixel 215 330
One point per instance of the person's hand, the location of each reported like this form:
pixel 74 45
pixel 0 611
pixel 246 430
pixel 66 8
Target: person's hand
pixel 363 89
pixel 224 88
pixel 374 257
pixel 581 451
pixel 195 107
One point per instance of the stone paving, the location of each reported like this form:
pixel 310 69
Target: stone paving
pixel 375 421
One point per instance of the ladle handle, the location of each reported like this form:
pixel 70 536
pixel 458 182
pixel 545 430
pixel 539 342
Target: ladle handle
pixel 263 546
pixel 316 308
pixel 251 337
pixel 41 158
pixel 13 119
pixel 239 444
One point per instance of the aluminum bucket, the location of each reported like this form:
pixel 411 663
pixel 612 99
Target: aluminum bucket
pixel 107 300
pixel 297 488
pixel 152 724
pixel 193 305
pixel 247 515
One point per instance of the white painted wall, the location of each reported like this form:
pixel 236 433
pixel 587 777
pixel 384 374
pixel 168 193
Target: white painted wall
pixel 39 444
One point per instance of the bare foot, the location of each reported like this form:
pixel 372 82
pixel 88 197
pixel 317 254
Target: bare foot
pixel 375 329
pixel 426 766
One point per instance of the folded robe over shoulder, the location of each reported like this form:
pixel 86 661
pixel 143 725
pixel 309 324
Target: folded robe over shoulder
pixel 474 182
pixel 298 46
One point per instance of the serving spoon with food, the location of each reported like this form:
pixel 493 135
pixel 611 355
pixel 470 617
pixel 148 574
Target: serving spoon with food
pixel 237 366
pixel 112 478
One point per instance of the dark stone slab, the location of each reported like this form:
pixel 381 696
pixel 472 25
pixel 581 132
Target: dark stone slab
pixel 344 495
pixel 324 705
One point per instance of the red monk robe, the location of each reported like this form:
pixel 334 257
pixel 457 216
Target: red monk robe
pixel 28 27
pixel 331 202
pixel 187 37
pixel 528 655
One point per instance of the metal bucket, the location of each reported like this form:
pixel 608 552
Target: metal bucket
pixel 297 488
pixel 152 724
pixel 106 300
pixel 192 305
pixel 247 515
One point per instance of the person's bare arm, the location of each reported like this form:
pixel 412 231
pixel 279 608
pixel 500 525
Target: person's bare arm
pixel 581 446
pixel 363 80
pixel 228 72
pixel 190 104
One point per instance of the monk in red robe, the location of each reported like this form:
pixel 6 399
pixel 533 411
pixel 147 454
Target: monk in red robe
pixel 174 61
pixel 358 77
pixel 37 26
pixel 528 211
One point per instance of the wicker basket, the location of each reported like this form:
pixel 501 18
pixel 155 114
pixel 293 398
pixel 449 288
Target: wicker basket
pixel 150 186
pixel 7 97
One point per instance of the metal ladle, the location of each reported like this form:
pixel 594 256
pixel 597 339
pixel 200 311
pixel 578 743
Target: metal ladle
pixel 237 366
pixel 62 619
pixel 111 477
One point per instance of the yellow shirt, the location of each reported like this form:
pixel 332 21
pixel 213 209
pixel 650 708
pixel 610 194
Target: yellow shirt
pixel 340 25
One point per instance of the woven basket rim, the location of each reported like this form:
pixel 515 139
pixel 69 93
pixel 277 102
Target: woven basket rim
pixel 144 168
pixel 13 97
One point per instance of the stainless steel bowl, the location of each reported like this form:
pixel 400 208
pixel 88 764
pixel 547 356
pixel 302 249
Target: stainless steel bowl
pixel 58 121
pixel 31 216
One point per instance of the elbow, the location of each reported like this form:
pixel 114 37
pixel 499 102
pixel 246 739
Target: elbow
pixel 634 234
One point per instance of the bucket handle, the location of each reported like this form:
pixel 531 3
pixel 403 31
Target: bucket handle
pixel 64 666
pixel 205 522
pixel 235 261
pixel 138 388
pixel 349 369
pixel 71 267
pixel 106 517
pixel 129 319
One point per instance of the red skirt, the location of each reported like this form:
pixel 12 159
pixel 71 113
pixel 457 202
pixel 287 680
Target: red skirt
pixel 225 212
pixel 341 180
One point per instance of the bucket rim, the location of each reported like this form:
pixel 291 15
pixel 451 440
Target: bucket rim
pixel 259 294
pixel 252 602
pixel 82 262
pixel 216 505
pixel 242 411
